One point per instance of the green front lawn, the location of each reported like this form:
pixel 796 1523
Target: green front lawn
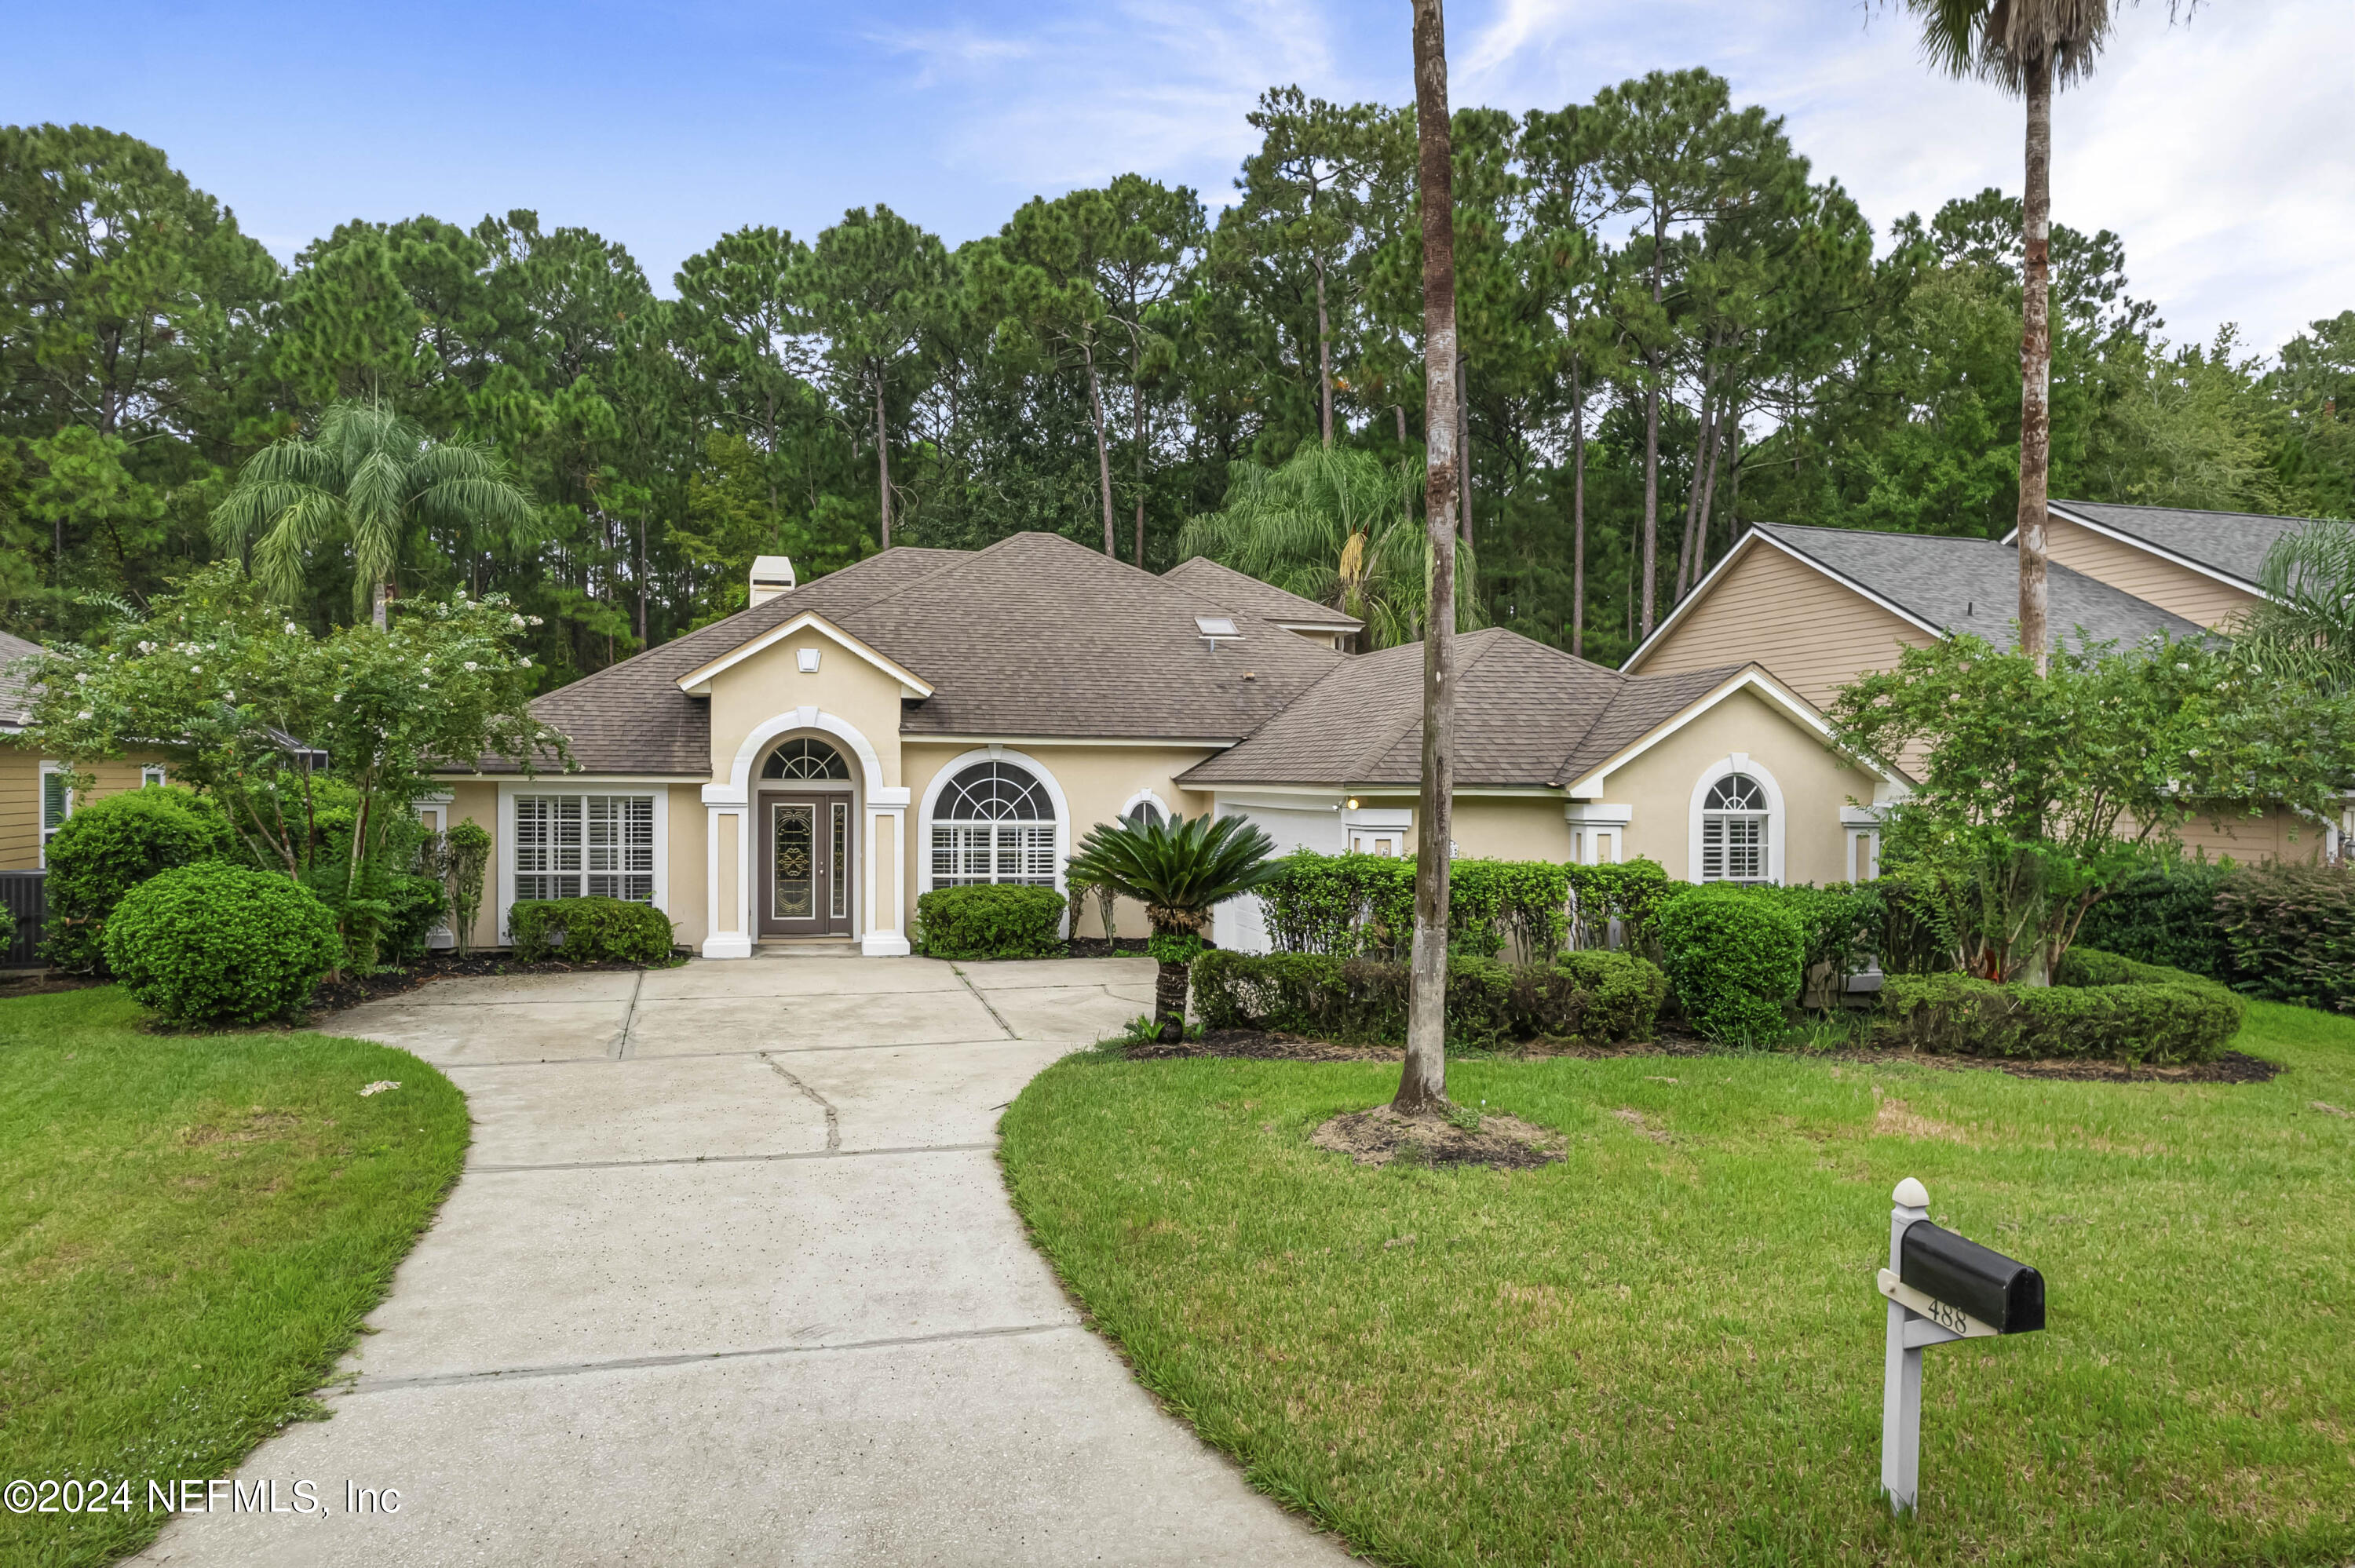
pixel 1667 1348
pixel 191 1229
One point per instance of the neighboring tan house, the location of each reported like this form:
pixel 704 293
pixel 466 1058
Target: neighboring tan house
pixel 2205 566
pixel 1820 607
pixel 805 769
pixel 34 798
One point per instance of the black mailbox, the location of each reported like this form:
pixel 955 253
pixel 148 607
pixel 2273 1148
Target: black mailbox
pixel 2003 1292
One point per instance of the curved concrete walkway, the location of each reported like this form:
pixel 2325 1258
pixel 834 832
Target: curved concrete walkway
pixel 731 1278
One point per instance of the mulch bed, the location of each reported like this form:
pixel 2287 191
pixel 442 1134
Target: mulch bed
pixel 1097 948
pixel 350 990
pixel 1383 1136
pixel 41 982
pixel 1267 1046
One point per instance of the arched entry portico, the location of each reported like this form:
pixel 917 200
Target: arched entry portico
pixel 732 838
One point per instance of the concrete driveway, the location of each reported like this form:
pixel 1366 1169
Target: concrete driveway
pixel 731 1277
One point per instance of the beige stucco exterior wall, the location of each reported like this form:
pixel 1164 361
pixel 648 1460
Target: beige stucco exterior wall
pixel 477 801
pixel 1496 827
pixel 2190 594
pixel 1815 784
pixel 20 799
pixel 1810 632
pixel 770 682
pixel 1097 781
pixel 690 870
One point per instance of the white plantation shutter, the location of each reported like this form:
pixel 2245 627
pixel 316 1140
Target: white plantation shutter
pixel 601 846
pixel 994 823
pixel 1733 828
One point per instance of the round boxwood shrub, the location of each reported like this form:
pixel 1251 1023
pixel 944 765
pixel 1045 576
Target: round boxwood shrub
pixel 592 930
pixel 1735 961
pixel 108 848
pixel 990 920
pixel 218 944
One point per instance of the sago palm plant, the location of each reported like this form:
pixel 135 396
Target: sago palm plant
pixel 1178 870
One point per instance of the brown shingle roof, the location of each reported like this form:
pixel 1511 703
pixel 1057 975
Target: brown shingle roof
pixel 631 717
pixel 1238 590
pixel 1034 636
pixel 1525 715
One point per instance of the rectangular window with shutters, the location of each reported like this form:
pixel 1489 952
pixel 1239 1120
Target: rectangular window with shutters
pixel 599 845
pixel 1734 847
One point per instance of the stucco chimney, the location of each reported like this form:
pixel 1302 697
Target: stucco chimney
pixel 772 575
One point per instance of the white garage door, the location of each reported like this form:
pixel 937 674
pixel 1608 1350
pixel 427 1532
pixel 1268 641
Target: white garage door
pixel 1239 924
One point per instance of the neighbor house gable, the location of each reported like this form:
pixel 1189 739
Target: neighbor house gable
pixel 1769 604
pixel 2199 592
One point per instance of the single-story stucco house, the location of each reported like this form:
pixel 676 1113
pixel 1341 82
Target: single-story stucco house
pixel 805 769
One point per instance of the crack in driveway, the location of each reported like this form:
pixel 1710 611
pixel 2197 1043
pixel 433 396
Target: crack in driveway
pixel 832 1116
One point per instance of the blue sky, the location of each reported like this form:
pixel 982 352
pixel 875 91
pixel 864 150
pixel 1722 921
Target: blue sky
pixel 2216 148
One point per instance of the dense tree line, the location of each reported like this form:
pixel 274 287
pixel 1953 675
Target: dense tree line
pixel 1669 325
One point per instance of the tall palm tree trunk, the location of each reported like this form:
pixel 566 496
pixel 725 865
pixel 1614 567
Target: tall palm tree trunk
pixel 1422 1086
pixel 2036 360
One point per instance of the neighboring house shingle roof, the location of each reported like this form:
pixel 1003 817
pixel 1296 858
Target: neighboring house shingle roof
pixel 1955 585
pixel 1034 636
pixel 2233 543
pixel 1232 588
pixel 15 692
pixel 1525 715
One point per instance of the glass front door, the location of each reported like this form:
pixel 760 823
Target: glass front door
pixel 805 882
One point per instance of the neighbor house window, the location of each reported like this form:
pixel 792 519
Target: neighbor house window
pixel 57 804
pixel 151 779
pixel 993 823
pixel 599 845
pixel 1733 828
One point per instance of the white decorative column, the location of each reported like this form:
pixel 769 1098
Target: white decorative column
pixel 1597 831
pixel 886 904
pixel 727 876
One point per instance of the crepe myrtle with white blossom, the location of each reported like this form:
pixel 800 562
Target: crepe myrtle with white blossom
pixel 255 711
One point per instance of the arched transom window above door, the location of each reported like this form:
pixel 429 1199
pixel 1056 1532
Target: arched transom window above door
pixel 1736 820
pixel 802 759
pixel 994 823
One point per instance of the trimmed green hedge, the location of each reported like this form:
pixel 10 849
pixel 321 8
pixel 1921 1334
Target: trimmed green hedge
pixel 1597 997
pixel 1630 892
pixel 990 920
pixel 2165 916
pixel 2100 1005
pixel 589 932
pixel 2290 930
pixel 220 943
pixel 1362 906
pixel 108 848
pixel 1735 960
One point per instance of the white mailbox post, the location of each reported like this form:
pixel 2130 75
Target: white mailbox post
pixel 1940 1288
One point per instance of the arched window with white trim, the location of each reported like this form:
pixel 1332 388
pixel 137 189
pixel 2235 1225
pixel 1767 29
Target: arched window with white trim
pixel 994 823
pixel 803 759
pixel 1736 825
